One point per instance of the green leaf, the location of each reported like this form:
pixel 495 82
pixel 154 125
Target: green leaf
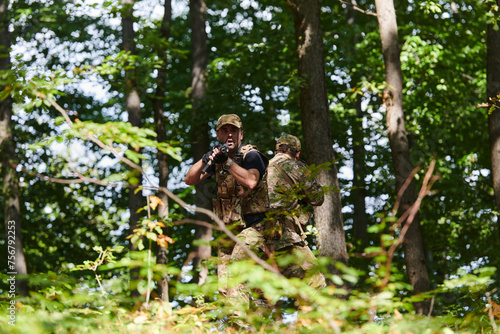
pixel 151 236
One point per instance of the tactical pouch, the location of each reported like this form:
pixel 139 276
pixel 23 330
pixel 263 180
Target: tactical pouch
pixel 227 213
pixel 292 233
pixel 217 208
pixel 227 209
pixel 273 229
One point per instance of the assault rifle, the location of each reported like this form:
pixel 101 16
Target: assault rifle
pixel 224 149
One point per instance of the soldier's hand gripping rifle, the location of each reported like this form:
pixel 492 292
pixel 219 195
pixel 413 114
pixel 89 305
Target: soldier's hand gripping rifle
pixel 219 158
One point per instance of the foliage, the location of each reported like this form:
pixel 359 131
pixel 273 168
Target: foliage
pixel 60 46
pixel 104 255
pixel 62 304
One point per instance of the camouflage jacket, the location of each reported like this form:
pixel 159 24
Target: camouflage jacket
pixel 234 200
pixel 289 197
pixel 285 196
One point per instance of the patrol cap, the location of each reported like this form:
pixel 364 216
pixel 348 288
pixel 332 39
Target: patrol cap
pixel 232 119
pixel 291 141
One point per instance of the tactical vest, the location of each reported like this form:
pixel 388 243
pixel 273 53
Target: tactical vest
pixel 234 200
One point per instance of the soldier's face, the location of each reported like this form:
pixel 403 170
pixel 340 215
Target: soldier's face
pixel 231 135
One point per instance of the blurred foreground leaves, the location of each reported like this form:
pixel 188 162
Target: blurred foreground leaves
pixel 71 304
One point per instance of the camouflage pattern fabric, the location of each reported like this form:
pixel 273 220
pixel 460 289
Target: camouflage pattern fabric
pixel 232 119
pixel 286 200
pixel 252 238
pixel 224 252
pixel 291 141
pixel 305 268
pixel 282 195
pixel 232 202
pixel 257 199
pixel 289 197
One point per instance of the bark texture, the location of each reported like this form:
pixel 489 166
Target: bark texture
pixel 360 220
pixel 200 140
pixel 133 106
pixel 400 150
pixel 315 117
pixel 158 108
pixel 8 158
pixel 493 94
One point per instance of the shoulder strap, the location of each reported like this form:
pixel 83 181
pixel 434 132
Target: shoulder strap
pixel 244 149
pixel 282 172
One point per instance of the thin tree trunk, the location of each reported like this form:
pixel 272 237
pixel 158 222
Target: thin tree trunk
pixel 493 94
pixel 393 101
pixel 158 103
pixel 133 105
pixel 12 214
pixel 199 132
pixel 360 220
pixel 315 116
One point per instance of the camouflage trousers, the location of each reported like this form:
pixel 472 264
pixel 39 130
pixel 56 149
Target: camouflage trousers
pixel 261 239
pixel 287 237
pixel 229 251
pixel 305 266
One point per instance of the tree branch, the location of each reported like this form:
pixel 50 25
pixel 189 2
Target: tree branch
pixel 95 139
pixel 410 214
pixel 81 178
pixel 176 199
pixel 357 8
pixel 195 222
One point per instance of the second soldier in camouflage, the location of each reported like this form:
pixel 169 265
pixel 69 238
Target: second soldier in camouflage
pixel 292 191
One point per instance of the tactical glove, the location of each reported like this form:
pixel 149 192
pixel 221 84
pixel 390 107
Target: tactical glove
pixel 206 156
pixel 222 156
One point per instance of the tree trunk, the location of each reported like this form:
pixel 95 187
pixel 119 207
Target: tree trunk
pixel 493 94
pixel 199 132
pixel 316 129
pixel 133 105
pixel 360 220
pixel 12 215
pixel 358 194
pixel 393 101
pixel 158 103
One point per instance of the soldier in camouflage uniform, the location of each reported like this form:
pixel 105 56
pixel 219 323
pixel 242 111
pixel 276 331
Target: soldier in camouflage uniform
pixel 292 191
pixel 242 198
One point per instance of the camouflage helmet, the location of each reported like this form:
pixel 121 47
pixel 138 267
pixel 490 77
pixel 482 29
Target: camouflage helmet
pixel 232 119
pixel 291 141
